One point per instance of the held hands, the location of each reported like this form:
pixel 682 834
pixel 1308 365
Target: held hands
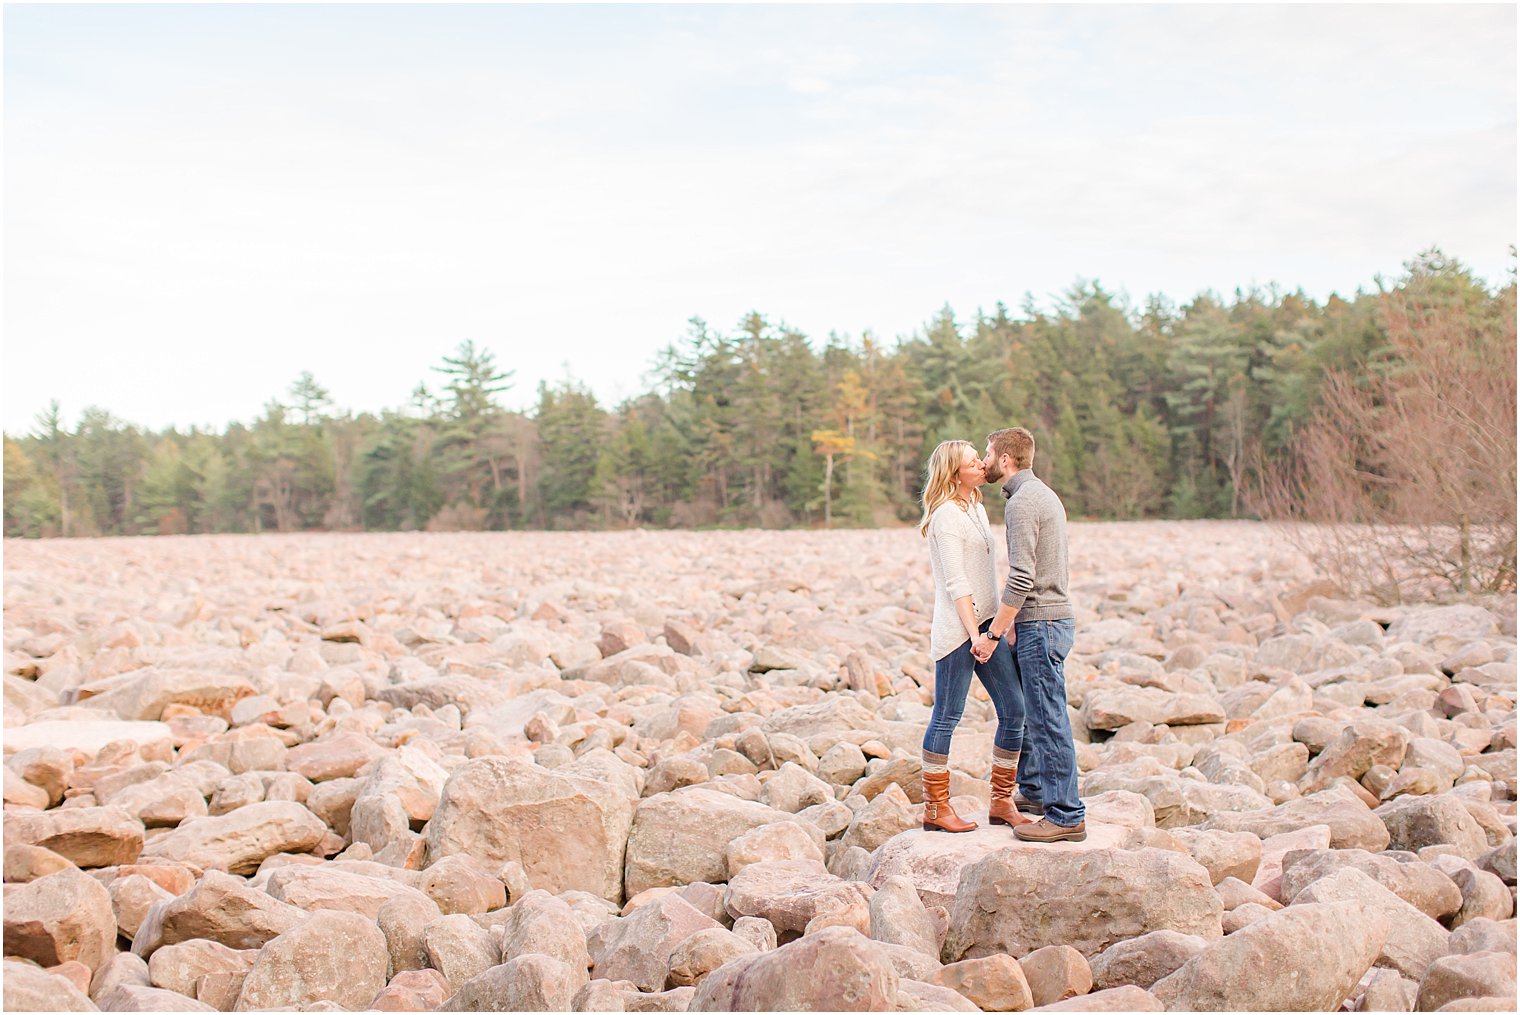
pixel 984 644
pixel 982 647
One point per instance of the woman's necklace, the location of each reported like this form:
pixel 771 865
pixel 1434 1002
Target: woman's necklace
pixel 981 525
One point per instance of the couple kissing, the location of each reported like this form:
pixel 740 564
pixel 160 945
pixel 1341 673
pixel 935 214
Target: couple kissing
pixel 1016 643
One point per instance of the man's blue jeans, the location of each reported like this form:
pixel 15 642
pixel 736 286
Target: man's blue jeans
pixel 952 679
pixel 1048 767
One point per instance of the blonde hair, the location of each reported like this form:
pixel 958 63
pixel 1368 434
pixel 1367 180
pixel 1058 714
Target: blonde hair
pixel 939 478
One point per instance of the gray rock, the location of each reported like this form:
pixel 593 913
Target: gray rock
pixel 401 920
pixel 1484 896
pixel 1500 861
pixel 1386 990
pixel 703 952
pixel 916 995
pixel 1128 998
pixel 1416 822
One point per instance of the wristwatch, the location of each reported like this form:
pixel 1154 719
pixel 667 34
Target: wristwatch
pixel 994 637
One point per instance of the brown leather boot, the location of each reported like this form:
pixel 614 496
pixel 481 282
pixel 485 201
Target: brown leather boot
pixel 1001 811
pixel 938 814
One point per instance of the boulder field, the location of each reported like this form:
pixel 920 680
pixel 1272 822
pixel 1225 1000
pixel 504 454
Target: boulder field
pixel 679 771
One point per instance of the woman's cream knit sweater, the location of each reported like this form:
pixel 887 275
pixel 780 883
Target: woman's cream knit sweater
pixel 962 557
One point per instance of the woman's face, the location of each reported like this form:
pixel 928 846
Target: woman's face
pixel 971 474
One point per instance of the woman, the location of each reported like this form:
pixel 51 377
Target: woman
pixel 965 599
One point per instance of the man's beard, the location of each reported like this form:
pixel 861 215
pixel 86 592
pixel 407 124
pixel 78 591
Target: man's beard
pixel 994 474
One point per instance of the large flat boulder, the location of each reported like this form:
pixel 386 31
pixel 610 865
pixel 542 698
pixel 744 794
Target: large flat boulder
pixel 935 861
pixel 143 694
pixel 1429 625
pixel 321 887
pixel 239 841
pixel 87 736
pixel 833 715
pixel 1016 900
pixel 87 836
pixel 219 908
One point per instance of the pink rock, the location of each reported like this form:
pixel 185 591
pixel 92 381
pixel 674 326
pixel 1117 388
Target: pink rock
pixel 934 861
pixel 846 972
pixel 1055 973
pixel 1268 879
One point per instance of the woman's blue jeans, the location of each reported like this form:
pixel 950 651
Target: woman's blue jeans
pixel 1048 767
pixel 952 679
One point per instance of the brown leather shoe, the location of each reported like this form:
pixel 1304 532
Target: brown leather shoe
pixel 1028 806
pixel 1046 830
pixel 1001 810
pixel 938 814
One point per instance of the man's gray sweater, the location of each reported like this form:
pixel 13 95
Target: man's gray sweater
pixel 1034 521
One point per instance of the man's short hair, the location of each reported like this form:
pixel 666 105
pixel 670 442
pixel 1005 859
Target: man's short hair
pixel 1015 442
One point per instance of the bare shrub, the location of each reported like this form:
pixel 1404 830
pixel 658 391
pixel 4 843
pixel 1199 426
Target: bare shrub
pixel 459 517
pixel 774 514
pixel 699 512
pixel 1402 483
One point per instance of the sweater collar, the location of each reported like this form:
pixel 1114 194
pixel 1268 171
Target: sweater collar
pixel 1012 483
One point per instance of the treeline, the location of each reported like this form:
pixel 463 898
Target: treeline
pixel 1140 412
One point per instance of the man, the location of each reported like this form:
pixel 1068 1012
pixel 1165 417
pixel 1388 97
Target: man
pixel 1035 616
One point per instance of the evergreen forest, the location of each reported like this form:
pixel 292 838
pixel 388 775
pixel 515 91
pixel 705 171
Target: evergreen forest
pixel 1156 410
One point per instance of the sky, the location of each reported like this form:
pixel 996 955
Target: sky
pixel 202 202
